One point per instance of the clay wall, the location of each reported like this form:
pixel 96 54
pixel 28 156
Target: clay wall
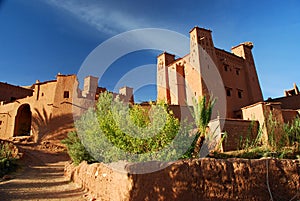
pixel 199 179
pixel 53 107
pixel 7 117
pixel 237 71
pixel 290 115
pixel 237 132
pixel 232 71
pixel 262 112
pixel 193 78
pixel 173 84
pixel 289 102
pixel 9 93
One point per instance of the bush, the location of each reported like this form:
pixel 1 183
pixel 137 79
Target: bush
pixel 76 150
pixel 283 142
pixel 292 131
pixel 7 160
pixel 114 131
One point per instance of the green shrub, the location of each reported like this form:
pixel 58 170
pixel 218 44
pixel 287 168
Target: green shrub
pixel 76 150
pixel 283 142
pixel 202 111
pixel 292 131
pixel 7 160
pixel 115 131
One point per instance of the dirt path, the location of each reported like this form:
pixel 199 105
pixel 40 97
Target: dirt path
pixel 40 178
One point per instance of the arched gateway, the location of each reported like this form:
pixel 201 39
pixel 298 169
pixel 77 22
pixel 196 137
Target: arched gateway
pixel 23 121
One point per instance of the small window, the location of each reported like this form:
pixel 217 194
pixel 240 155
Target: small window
pixel 240 94
pixel 42 94
pixel 0 123
pixel 237 71
pixel 226 67
pixel 228 92
pixel 66 94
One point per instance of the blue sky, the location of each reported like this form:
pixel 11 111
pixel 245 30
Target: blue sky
pixel 39 38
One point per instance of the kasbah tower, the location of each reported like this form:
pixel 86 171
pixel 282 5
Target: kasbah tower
pixel 180 79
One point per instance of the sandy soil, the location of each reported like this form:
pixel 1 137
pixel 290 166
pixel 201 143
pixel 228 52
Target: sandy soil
pixel 41 177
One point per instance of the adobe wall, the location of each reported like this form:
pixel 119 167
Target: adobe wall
pixel 199 179
pixel 48 113
pixel 237 71
pixel 10 92
pixel 288 102
pixel 262 112
pixel 237 132
pixel 53 107
pixel 290 115
pixel 100 181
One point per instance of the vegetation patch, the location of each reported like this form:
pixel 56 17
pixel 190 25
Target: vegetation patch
pixel 8 157
pixel 283 142
pixel 113 131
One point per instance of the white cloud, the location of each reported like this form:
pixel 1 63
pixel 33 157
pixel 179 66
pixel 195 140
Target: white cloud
pixel 103 17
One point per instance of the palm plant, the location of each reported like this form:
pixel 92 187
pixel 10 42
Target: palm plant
pixel 202 111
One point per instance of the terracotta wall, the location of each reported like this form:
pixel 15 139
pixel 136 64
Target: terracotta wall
pixel 10 92
pixel 289 102
pixel 290 115
pixel 239 76
pixel 237 132
pixel 200 179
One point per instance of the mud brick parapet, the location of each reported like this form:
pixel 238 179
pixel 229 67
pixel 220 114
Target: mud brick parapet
pixel 201 179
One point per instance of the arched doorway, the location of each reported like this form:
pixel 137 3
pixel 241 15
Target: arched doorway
pixel 23 121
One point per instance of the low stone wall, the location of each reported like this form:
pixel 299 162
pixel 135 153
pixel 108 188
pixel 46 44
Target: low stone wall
pixel 201 179
pixel 101 181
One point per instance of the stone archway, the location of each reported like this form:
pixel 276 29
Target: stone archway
pixel 23 121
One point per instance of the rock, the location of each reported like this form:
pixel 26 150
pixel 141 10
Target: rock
pixel 7 177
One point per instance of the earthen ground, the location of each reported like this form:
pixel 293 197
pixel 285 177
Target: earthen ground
pixel 41 176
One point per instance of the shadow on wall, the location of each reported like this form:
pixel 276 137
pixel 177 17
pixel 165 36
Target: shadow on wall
pixel 46 126
pixel 210 179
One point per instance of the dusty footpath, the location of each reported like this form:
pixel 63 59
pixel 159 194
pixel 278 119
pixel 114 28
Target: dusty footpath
pixel 41 177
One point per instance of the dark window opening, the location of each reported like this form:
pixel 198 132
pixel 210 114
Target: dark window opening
pixel 66 94
pixel 226 67
pixel 240 94
pixel 237 71
pixel 0 122
pixel 42 94
pixel 228 92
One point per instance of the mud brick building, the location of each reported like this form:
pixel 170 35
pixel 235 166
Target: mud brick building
pixel 48 106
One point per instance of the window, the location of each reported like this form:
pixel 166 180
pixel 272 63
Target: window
pixel 240 94
pixel 0 123
pixel 228 91
pixel 66 94
pixel 226 67
pixel 237 71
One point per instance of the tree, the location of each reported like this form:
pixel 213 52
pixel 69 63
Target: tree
pixel 202 111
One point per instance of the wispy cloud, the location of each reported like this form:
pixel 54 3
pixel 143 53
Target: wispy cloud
pixel 105 18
